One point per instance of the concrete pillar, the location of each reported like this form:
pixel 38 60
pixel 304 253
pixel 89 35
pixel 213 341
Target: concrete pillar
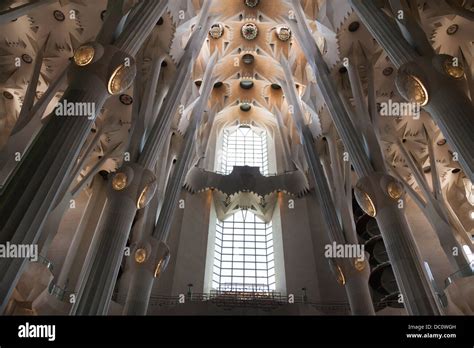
pixel 82 243
pixel 85 230
pixel 360 300
pixel 143 279
pixel 47 166
pixel 418 295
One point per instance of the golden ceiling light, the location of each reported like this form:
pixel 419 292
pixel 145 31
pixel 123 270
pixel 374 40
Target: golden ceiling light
pixel 216 31
pixel 455 70
pixel 143 199
pixel 120 181
pixel 251 3
pixel 158 269
pixel 84 55
pixel 341 279
pixel 161 265
pixel 394 190
pixel 140 255
pixel 249 31
pixel 365 202
pixel 163 253
pixel 283 33
pixel 120 79
pixel 359 265
pixel 416 91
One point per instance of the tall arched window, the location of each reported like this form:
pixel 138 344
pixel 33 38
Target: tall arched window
pixel 241 247
pixel 244 146
pixel 243 254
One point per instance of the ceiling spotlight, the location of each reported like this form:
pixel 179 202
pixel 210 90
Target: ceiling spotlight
pixel 341 279
pixel 126 99
pixel 216 31
pixel 140 255
pixel 249 31
pixel 246 84
pixel 27 58
pixel 59 16
pixel 284 33
pixel 354 26
pixel 245 107
pixel 251 3
pixel 452 29
pixel 120 181
pixel 7 95
pixel 416 90
pixel 388 71
pixel 365 202
pixel 453 68
pixel 144 197
pixel 394 190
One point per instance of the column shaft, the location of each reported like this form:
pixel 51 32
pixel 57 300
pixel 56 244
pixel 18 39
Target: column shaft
pixel 95 293
pixel 39 181
pixel 405 258
pixel 44 175
pixel 136 305
pixel 413 283
pixel 93 206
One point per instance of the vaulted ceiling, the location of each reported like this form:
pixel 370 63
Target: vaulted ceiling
pixel 252 39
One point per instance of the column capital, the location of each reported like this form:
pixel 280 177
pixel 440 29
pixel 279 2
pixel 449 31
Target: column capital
pixel 115 69
pixel 376 191
pixel 135 182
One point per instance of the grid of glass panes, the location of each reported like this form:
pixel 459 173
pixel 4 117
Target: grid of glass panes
pixel 244 257
pixel 244 147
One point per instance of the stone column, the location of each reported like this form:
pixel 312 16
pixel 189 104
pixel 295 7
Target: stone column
pixel 28 200
pixel 138 183
pixel 143 277
pixel 357 287
pixel 95 292
pixel 411 278
pixel 44 174
pixel 358 291
pixel 75 261
pixel 84 230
